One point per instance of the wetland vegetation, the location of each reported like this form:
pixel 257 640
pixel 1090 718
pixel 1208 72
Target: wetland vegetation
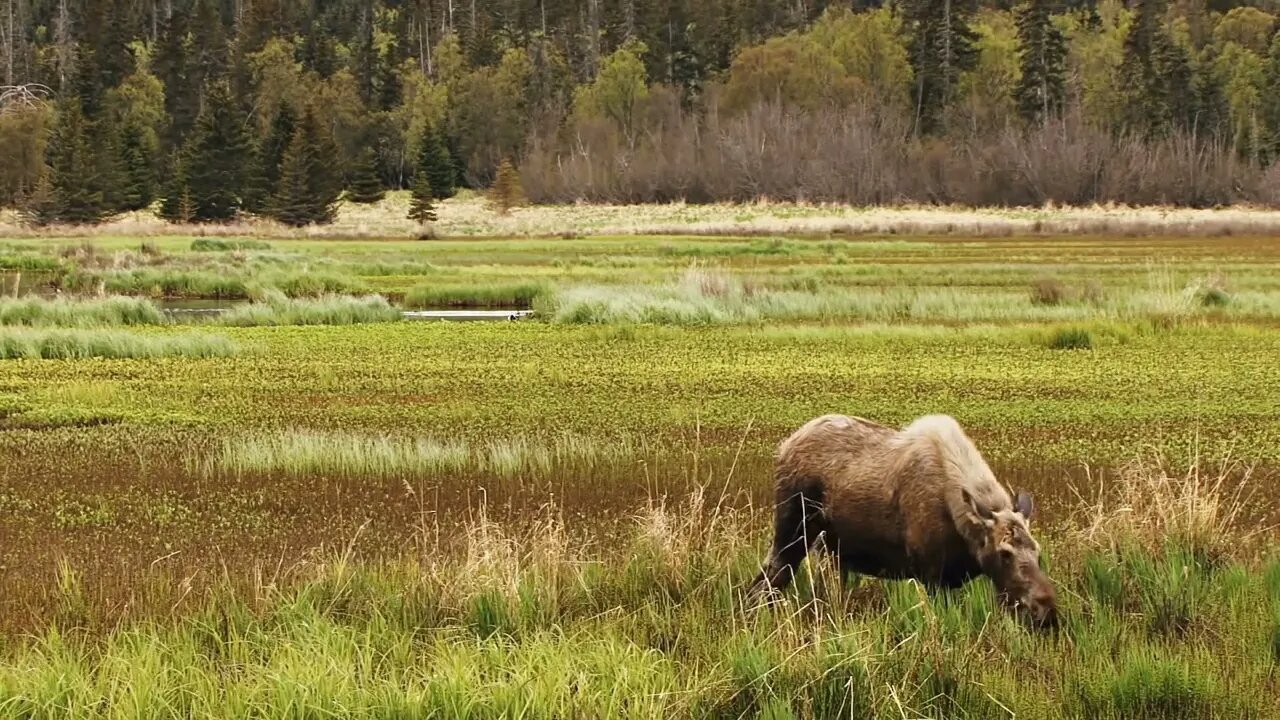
pixel 304 506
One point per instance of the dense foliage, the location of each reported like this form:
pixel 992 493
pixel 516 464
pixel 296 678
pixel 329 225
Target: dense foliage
pixel 630 100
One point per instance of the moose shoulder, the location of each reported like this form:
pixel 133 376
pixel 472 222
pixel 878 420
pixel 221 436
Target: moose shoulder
pixel 920 502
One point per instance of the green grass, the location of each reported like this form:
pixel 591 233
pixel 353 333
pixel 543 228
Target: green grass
pixel 277 309
pixel 219 245
pixel 434 295
pixel 86 344
pixel 79 313
pixel 531 624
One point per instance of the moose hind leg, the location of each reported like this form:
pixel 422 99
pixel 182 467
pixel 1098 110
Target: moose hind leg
pixel 797 525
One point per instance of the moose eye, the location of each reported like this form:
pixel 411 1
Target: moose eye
pixel 1006 553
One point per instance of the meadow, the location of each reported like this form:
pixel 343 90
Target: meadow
pixel 307 506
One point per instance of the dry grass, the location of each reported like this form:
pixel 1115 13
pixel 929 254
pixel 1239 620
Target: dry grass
pixel 469 215
pixel 1150 503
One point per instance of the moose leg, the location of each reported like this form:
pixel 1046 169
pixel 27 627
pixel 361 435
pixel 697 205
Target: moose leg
pixel 797 524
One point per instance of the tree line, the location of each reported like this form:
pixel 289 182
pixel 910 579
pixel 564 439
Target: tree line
pixel 210 109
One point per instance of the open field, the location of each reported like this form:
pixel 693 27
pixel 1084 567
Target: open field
pixel 336 512
pixel 468 216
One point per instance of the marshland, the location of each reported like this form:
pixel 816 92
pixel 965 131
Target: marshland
pixel 302 504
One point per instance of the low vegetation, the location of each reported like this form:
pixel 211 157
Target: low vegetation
pixel 34 311
pixel 277 309
pixel 85 344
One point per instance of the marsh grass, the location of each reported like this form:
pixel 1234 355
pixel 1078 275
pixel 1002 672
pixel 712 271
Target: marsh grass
pixel 87 312
pixel 275 308
pixel 25 344
pixel 433 295
pixel 302 452
pixel 535 622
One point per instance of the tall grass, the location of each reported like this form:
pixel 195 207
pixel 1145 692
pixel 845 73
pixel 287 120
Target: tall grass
pixel 226 284
pixel 277 309
pixel 34 311
pixel 303 452
pixel 478 295
pixel 485 621
pixel 709 297
pixel 82 344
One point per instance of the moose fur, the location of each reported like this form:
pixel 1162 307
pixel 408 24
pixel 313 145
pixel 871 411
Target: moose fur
pixel 920 502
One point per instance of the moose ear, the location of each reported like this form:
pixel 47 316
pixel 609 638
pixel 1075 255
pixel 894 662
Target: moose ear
pixel 1025 506
pixel 982 512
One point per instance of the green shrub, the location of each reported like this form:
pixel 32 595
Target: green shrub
pixel 1072 338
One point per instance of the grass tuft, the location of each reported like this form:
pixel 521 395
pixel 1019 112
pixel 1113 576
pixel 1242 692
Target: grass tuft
pixel 84 344
pixel 39 312
pixel 277 309
pixel 1070 338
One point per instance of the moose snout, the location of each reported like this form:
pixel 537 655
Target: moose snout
pixel 1042 610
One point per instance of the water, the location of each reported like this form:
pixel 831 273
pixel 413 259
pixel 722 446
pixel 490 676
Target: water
pixel 39 284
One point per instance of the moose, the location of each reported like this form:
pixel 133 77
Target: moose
pixel 918 503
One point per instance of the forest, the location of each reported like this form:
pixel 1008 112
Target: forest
pixel 209 110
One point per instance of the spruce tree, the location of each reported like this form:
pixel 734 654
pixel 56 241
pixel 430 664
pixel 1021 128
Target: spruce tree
pixel 279 135
pixel 76 195
pixel 366 186
pixel 1155 75
pixel 139 179
pixel 434 161
pixel 294 203
pixel 941 47
pixel 308 189
pixel 181 99
pixel 216 157
pixel 506 192
pixel 1042 88
pixel 1271 103
pixel 177 205
pixel 257 190
pixel 421 207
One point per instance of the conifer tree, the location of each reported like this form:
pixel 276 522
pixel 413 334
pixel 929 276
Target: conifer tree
pixel 421 207
pixel 216 157
pixel 941 47
pixel 75 192
pixel 366 186
pixel 506 192
pixel 434 161
pixel 177 205
pixel 294 203
pixel 1042 87
pixel 139 179
pixel 307 192
pixel 279 135
pixel 257 191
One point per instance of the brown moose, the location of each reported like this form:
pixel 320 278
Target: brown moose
pixel 913 503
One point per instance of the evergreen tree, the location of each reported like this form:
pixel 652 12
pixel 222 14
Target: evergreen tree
pixel 1155 76
pixel 257 189
pixel 216 156
pixel 506 192
pixel 421 207
pixel 941 47
pixel 307 192
pixel 364 59
pixel 279 135
pixel 366 186
pixel 1271 104
pixel 75 192
pixel 181 97
pixel 108 152
pixel 1042 88
pixel 177 205
pixel 294 203
pixel 389 87
pixel 139 180
pixel 437 166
